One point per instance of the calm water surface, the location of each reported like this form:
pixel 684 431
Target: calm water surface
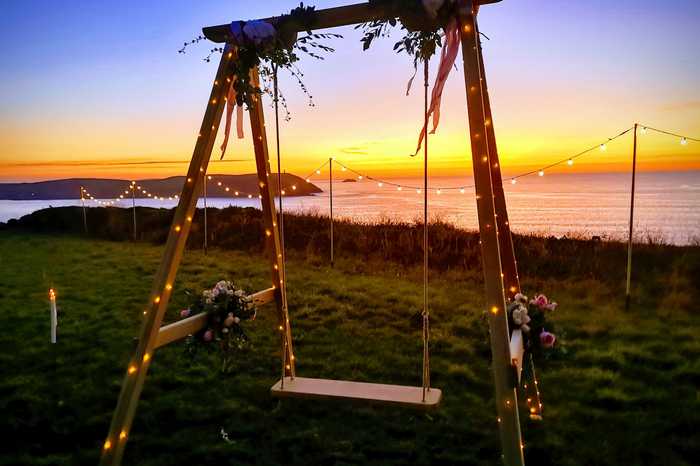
pixel 667 204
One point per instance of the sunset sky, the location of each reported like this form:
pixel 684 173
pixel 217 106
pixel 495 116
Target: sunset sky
pixel 88 84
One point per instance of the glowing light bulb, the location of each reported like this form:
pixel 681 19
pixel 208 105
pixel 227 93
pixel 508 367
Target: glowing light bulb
pixel 684 142
pixel 294 187
pixel 398 188
pixel 461 190
pixel 603 147
pixel 570 162
pixel 541 173
pixel 380 184
pixel 250 196
pixel 318 172
pixel 218 183
pixel 513 181
pixel 644 130
pixel 107 445
pixel 359 177
pixel 343 169
pixel 439 191
pixel 418 191
pixel 308 180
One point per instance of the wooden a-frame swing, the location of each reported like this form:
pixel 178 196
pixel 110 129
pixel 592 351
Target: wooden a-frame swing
pixel 499 265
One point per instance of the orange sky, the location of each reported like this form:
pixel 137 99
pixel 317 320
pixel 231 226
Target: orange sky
pixel 551 98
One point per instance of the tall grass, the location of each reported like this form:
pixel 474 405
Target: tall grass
pixel 659 270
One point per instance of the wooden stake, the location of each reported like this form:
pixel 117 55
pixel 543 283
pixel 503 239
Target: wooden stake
pixel 628 293
pixel 133 206
pixel 113 448
pixel 506 395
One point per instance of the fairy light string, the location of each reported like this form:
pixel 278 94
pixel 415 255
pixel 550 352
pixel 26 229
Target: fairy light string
pixel 601 147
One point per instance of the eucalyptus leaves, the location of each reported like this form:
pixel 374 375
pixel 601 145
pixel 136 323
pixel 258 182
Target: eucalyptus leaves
pixel 272 46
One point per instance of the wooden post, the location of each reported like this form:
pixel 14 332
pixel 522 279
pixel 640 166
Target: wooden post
pixel 82 201
pixel 330 180
pixel 133 205
pixel 113 447
pixel 506 395
pixel 272 228
pixel 628 293
pixel 205 212
pixel 511 280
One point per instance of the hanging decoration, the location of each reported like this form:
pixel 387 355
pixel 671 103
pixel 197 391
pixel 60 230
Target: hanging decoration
pixel 424 35
pixel 268 45
pixel 531 316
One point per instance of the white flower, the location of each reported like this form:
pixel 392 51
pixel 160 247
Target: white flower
pixel 519 297
pixel 239 293
pixel 517 316
pixel 259 31
pixel 432 7
pixel 236 320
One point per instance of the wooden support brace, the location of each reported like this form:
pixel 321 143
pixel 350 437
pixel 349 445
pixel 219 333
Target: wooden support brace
pixel 182 328
pixel 272 230
pixel 506 395
pixel 511 280
pixel 113 447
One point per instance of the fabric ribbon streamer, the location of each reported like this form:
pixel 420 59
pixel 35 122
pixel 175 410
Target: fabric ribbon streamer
pixel 259 33
pixel 230 103
pixel 447 60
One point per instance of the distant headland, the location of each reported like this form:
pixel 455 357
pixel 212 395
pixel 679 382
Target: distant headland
pixel 100 188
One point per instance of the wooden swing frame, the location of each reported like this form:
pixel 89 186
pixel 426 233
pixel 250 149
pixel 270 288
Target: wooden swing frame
pixel 499 264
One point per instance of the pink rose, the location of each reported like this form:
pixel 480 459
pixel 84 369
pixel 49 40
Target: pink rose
pixel 208 335
pixel 547 339
pixel 185 313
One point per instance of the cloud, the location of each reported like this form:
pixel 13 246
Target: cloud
pixel 354 150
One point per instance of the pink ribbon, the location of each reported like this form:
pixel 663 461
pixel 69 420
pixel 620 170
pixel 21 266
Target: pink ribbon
pixel 230 103
pixel 447 60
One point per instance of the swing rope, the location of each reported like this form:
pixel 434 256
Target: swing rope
pixel 426 311
pixel 283 271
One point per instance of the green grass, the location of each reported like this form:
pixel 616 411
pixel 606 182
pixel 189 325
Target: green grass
pixel 626 391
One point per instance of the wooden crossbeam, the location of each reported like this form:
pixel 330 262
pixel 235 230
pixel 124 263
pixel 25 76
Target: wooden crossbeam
pixel 506 395
pixel 113 448
pixel 328 18
pixel 182 328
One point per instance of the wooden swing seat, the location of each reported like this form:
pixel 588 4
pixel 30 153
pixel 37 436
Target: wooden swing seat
pixel 324 389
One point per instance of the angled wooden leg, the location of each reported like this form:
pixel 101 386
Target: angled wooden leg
pixel 506 396
pixel 113 448
pixel 272 230
pixel 511 280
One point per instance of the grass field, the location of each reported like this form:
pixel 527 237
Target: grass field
pixel 626 391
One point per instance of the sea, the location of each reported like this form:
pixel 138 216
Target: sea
pixel 667 204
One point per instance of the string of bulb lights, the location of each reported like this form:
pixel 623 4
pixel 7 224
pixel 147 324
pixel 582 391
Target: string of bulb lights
pixel 363 176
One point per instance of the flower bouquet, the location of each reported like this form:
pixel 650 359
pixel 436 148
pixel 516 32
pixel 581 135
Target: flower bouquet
pixel 226 306
pixel 530 316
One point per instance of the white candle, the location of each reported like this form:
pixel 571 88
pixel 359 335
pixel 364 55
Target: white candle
pixel 54 315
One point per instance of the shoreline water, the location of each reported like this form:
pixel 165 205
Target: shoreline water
pixel 667 206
